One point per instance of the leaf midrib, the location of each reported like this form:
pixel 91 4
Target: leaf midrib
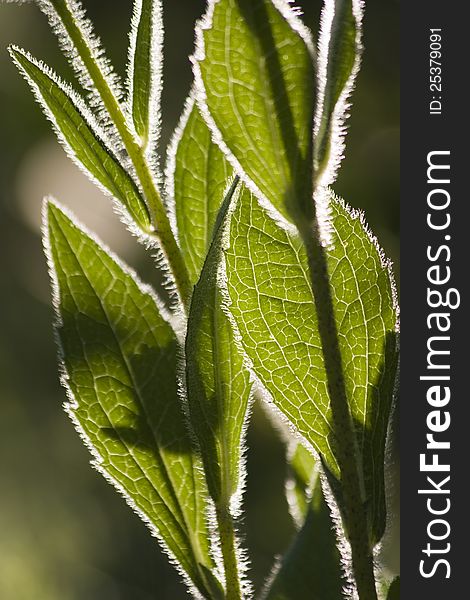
pixel 228 50
pixel 185 530
pixel 307 395
pixel 220 399
pixel 366 327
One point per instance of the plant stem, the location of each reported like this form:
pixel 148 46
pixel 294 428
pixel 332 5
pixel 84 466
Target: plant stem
pixel 136 154
pixel 229 553
pixel 353 504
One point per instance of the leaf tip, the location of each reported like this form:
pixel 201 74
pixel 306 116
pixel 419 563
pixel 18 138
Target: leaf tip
pixel 17 54
pixel 51 211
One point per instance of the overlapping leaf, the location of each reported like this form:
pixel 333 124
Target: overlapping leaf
pixel 255 83
pixel 81 135
pixel 197 176
pixel 219 387
pixel 119 366
pixel 218 382
pixel 255 86
pixel 272 303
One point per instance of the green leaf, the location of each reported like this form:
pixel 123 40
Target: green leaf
pixel 85 53
pixel 311 568
pixel 255 83
pixel 197 176
pixel 219 387
pixel 119 361
pixel 81 135
pixel 272 302
pixel 301 481
pixel 394 590
pixel 217 379
pixel 340 49
pixel 145 70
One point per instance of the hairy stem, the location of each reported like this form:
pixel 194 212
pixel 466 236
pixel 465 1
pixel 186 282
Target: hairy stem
pixel 354 513
pixel 229 553
pixel 135 151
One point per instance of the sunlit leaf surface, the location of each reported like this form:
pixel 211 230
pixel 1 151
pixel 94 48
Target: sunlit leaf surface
pixel 119 368
pixel 272 303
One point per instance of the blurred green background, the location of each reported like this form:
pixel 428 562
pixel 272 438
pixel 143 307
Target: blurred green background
pixel 64 533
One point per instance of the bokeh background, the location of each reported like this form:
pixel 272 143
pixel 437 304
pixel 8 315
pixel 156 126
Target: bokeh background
pixel 64 533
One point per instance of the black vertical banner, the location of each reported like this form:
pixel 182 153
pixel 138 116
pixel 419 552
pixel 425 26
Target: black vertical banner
pixel 435 243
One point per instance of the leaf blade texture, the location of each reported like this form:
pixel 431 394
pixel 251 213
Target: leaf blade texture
pixel 197 175
pixel 272 304
pixel 119 366
pixel 145 71
pixel 255 84
pixel 81 136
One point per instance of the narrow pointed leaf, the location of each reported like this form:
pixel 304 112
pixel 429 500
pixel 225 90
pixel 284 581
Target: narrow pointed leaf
pixel 218 382
pixel 145 70
pixel 219 386
pixel 81 136
pixel 197 176
pixel 273 306
pixel 339 57
pixel 85 54
pixel 119 361
pixel 255 83
pixel 311 568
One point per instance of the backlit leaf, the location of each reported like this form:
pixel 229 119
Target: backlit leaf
pixel 218 382
pixel 255 85
pixel 197 176
pixel 85 53
pixel 219 386
pixel 81 136
pixel 119 365
pixel 339 57
pixel 272 302
pixel 145 69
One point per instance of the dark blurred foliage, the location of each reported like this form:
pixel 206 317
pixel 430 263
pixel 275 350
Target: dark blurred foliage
pixel 64 532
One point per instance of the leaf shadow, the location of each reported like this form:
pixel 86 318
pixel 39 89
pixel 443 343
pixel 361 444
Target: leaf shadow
pixel 382 402
pixel 204 408
pixel 301 166
pixel 140 400
pixel 159 422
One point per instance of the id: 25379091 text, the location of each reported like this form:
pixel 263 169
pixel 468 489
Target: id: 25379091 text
pixel 435 71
